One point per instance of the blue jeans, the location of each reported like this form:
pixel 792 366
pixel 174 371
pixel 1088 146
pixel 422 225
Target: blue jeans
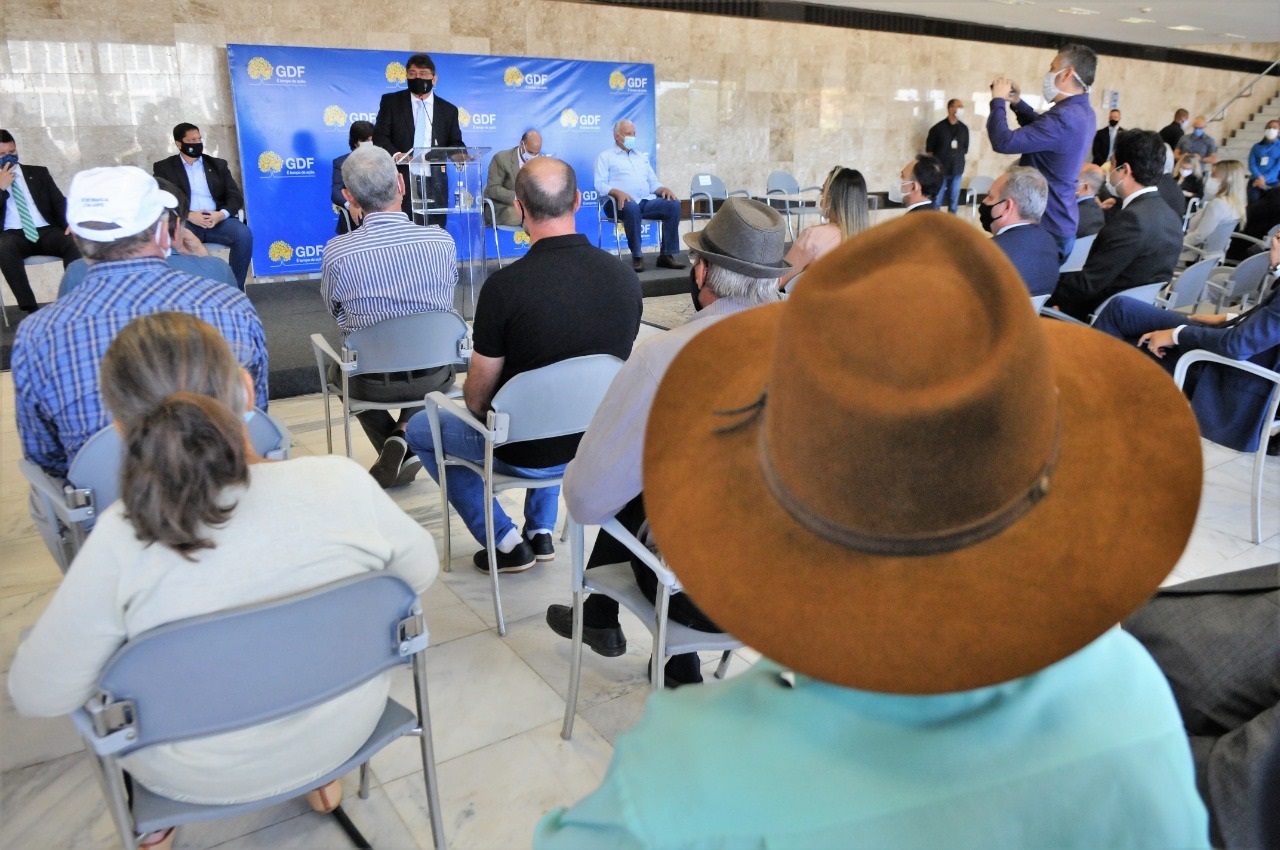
pixel 668 212
pixel 233 233
pixel 466 488
pixel 949 193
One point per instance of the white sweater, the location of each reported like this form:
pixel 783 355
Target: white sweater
pixel 298 525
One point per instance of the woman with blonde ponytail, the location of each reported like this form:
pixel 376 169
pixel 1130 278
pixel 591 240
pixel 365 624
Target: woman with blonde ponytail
pixel 204 524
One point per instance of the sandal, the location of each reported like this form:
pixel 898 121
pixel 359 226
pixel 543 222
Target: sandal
pixel 161 840
pixel 326 798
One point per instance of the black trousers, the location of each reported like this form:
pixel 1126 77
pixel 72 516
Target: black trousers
pixel 408 387
pixel 15 247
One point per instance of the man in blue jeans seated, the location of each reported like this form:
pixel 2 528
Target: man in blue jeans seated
pixel 1229 403
pixel 564 298
pixel 906 513
pixel 626 176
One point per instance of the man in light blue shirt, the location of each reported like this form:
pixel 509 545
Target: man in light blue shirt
pixel 627 178
pixel 1264 162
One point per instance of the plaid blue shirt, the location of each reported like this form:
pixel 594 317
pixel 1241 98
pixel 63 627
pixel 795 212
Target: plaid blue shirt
pixel 57 351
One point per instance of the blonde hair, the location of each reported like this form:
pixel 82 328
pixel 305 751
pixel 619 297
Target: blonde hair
pixel 844 201
pixel 1231 188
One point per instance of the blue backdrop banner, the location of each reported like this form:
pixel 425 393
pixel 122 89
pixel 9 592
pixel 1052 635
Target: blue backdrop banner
pixel 294 107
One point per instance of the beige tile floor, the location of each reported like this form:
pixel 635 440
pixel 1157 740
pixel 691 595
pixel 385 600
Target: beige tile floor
pixel 496 703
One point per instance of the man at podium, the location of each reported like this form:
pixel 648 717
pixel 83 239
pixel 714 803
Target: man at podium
pixel 415 119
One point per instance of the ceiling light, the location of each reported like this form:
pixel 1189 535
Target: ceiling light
pixel 1136 21
pixel 1015 2
pixel 1231 35
pixel 1076 10
pixel 1186 28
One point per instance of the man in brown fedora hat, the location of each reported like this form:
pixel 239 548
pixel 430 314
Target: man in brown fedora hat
pixel 929 520
pixel 737 259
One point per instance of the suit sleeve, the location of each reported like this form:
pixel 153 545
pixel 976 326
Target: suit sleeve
pixel 232 199
pixel 335 186
pixel 1078 292
pixel 1258 332
pixel 384 125
pixel 495 187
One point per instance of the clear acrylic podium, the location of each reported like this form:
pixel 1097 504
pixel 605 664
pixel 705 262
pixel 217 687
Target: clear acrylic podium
pixel 450 181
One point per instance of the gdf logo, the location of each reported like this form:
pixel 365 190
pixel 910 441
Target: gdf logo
pixel 395 73
pixel 353 117
pixel 300 163
pixel 568 118
pixel 637 83
pixel 513 78
pixel 484 120
pixel 280 252
pixel 290 72
pixel 270 162
pixel 537 80
pixel 589 121
pixel 522 238
pixel 260 69
pixel 590 196
pixel 335 116
pixel 308 253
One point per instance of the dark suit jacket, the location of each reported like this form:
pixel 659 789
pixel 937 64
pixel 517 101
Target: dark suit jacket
pixel 1172 134
pixel 1230 404
pixel 1091 217
pixel 1102 144
pixel 1216 641
pixel 48 198
pixel 1034 253
pixel 1260 216
pixel 335 190
pixel 393 132
pixel 226 192
pixel 1139 245
pixel 1168 188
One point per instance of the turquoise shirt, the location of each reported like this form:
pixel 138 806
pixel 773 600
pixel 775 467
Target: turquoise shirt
pixel 1088 753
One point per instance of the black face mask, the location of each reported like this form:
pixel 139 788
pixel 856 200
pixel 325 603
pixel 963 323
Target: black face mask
pixel 694 290
pixel 987 215
pixel 419 86
pixel 193 150
pixel 1112 123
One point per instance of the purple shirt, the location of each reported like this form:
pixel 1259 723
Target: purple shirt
pixel 1056 144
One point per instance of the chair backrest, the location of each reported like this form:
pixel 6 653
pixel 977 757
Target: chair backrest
pixel 554 400
pixel 1216 243
pixel 981 184
pixel 96 467
pixel 406 343
pixel 781 182
pixel 234 669
pixel 1079 253
pixel 1248 276
pixel 1193 206
pixel 708 185
pixel 1038 301
pixel 40 259
pixel 1188 287
pixel 1146 293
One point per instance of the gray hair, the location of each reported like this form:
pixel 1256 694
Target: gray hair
pixel 370 177
pixel 738 286
pixel 617 127
pixel 1027 188
pixel 124 248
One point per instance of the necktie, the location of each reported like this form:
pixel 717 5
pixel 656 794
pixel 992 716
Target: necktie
pixel 422 127
pixel 24 212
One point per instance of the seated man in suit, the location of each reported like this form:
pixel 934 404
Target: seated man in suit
pixel 34 214
pixel 501 185
pixel 415 120
pixel 1140 244
pixel 1259 217
pixel 626 176
pixel 361 134
pixel 920 181
pixel 1229 403
pixel 187 255
pixel 1011 213
pixel 1214 638
pixel 214 195
pixel 1104 141
pixel 1091 216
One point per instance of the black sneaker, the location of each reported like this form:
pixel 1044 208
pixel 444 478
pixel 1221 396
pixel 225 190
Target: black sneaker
pixel 408 471
pixel 680 670
pixel 387 468
pixel 517 560
pixel 543 549
pixel 607 642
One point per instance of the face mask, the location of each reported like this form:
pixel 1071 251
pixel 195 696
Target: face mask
pixel 1049 88
pixel 8 159
pixel 629 142
pixel 366 143
pixel 525 156
pixel 959 114
pixel 694 290
pixel 1199 131
pixel 419 86
pixel 1185 172
pixel 193 150
pixel 1271 134
pixel 987 215
pixel 1114 187
pixel 1211 187
pixel 1112 123
pixel 1184 124
pixel 897 195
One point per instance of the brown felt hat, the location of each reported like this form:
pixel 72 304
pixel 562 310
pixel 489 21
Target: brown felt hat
pixel 901 480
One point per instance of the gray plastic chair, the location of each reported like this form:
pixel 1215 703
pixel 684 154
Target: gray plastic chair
pixel 1188 287
pixel 552 401
pixel 495 227
pixel 65 511
pixel 708 191
pixel 403 344
pixel 1079 253
pixel 1193 206
pixel 1215 245
pixel 34 260
pixel 1038 301
pixel 783 193
pixel 1270 425
pixel 979 186
pixel 607 212
pixel 247 666
pixel 1242 283
pixel 1146 293
pixel 617 581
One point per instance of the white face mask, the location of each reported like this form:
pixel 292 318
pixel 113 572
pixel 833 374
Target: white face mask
pixel 1271 134
pixel 1114 187
pixel 1211 187
pixel 959 114
pixel 366 143
pixel 897 195
pixel 1185 124
pixel 1185 172
pixel 1049 88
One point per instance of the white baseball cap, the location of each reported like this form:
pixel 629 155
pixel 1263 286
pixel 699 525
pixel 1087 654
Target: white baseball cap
pixel 107 204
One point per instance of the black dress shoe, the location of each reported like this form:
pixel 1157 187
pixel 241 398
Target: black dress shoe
pixel 666 261
pixel 607 642
pixel 637 263
pixel 543 549
pixel 680 670
pixel 517 560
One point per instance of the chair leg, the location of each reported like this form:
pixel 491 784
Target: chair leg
pixel 447 548
pixel 1259 460
pixel 658 660
pixel 346 424
pixel 328 418
pixel 575 668
pixel 723 667
pixel 428 751
pixel 364 781
pixel 497 247
pixel 117 805
pixel 492 550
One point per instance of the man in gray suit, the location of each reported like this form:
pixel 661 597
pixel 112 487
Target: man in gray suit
pixel 501 186
pixel 1216 641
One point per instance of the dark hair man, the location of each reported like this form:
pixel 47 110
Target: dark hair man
pixel 34 214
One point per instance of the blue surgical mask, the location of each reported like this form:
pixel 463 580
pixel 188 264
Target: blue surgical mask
pixel 629 142
pixel 8 159
pixel 1199 131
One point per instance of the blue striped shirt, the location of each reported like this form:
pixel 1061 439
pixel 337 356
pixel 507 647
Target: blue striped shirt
pixel 385 268
pixel 57 351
